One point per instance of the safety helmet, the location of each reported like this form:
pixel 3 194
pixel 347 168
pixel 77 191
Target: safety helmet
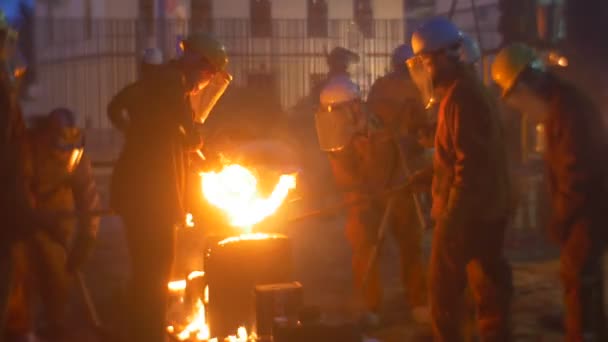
pixel 470 51
pixel 400 55
pixel 208 47
pixel 342 57
pixel 152 56
pixel 510 62
pixel 435 35
pixel 339 90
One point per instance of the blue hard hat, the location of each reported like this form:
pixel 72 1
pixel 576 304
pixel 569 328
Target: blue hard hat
pixel 436 34
pixel 400 55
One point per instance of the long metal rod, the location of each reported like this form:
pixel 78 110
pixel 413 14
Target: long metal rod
pixel 407 174
pixel 371 261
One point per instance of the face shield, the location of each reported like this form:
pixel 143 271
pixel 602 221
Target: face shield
pixel 421 76
pixel 336 126
pixel 205 99
pixel 69 146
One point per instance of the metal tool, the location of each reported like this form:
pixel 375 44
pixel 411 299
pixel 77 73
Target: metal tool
pixel 386 218
pixel 407 174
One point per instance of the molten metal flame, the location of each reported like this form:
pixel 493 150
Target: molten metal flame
pixel 250 236
pixel 177 286
pixel 180 285
pixel 241 336
pixel 198 325
pixel 234 190
pixel 189 220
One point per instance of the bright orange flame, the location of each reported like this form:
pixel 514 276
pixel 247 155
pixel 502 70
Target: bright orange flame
pixel 251 236
pixel 180 285
pixel 177 286
pixel 241 336
pixel 234 190
pixel 198 325
pixel 189 220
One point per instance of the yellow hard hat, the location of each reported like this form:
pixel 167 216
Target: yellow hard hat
pixel 510 62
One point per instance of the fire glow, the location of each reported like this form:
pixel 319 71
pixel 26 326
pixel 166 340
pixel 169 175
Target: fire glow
pixel 234 190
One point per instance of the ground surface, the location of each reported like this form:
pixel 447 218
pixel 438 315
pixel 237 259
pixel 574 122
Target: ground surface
pixel 322 265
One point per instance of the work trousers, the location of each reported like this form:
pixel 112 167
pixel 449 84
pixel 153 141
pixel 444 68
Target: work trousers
pixel 362 225
pixel 582 280
pixel 473 255
pixel 151 243
pixel 39 268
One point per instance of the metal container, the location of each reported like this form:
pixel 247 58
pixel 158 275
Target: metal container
pixel 276 300
pixel 233 268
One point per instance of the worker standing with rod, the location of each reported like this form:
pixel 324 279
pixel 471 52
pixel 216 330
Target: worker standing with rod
pixel 471 188
pixel 363 160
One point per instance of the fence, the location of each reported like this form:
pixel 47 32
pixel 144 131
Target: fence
pixel 83 63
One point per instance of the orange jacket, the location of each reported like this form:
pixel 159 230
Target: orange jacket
pixel 471 178
pixel 576 157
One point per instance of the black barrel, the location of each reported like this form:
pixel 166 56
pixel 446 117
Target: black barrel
pixel 233 269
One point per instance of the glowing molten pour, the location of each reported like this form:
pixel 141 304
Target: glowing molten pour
pixel 234 190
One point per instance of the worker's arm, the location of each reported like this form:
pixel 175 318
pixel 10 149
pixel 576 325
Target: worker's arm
pixel 574 170
pixel 117 109
pixel 467 118
pixel 86 200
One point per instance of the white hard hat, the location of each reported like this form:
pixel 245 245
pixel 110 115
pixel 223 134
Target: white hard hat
pixel 471 53
pixel 339 89
pixel 152 56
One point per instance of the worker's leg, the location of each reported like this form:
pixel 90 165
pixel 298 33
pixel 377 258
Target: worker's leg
pixel 582 279
pixel 447 281
pixel 361 230
pixel 408 233
pixel 151 241
pixel 18 292
pixel 53 283
pixel 490 280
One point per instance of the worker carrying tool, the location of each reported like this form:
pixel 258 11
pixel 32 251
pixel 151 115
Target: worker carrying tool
pixel 148 184
pixel 470 188
pixel 364 159
pixel 576 158
pixel 57 248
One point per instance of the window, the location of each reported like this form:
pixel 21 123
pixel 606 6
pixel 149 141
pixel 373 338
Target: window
pixel 261 18
pixel 146 13
pixel 317 19
pixel 201 15
pixel 364 17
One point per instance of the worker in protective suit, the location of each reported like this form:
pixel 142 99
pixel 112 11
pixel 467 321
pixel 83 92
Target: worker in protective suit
pixel 151 60
pixel 63 184
pixel 339 61
pixel 470 188
pixel 148 184
pixel 17 202
pixel 576 158
pixel 365 159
